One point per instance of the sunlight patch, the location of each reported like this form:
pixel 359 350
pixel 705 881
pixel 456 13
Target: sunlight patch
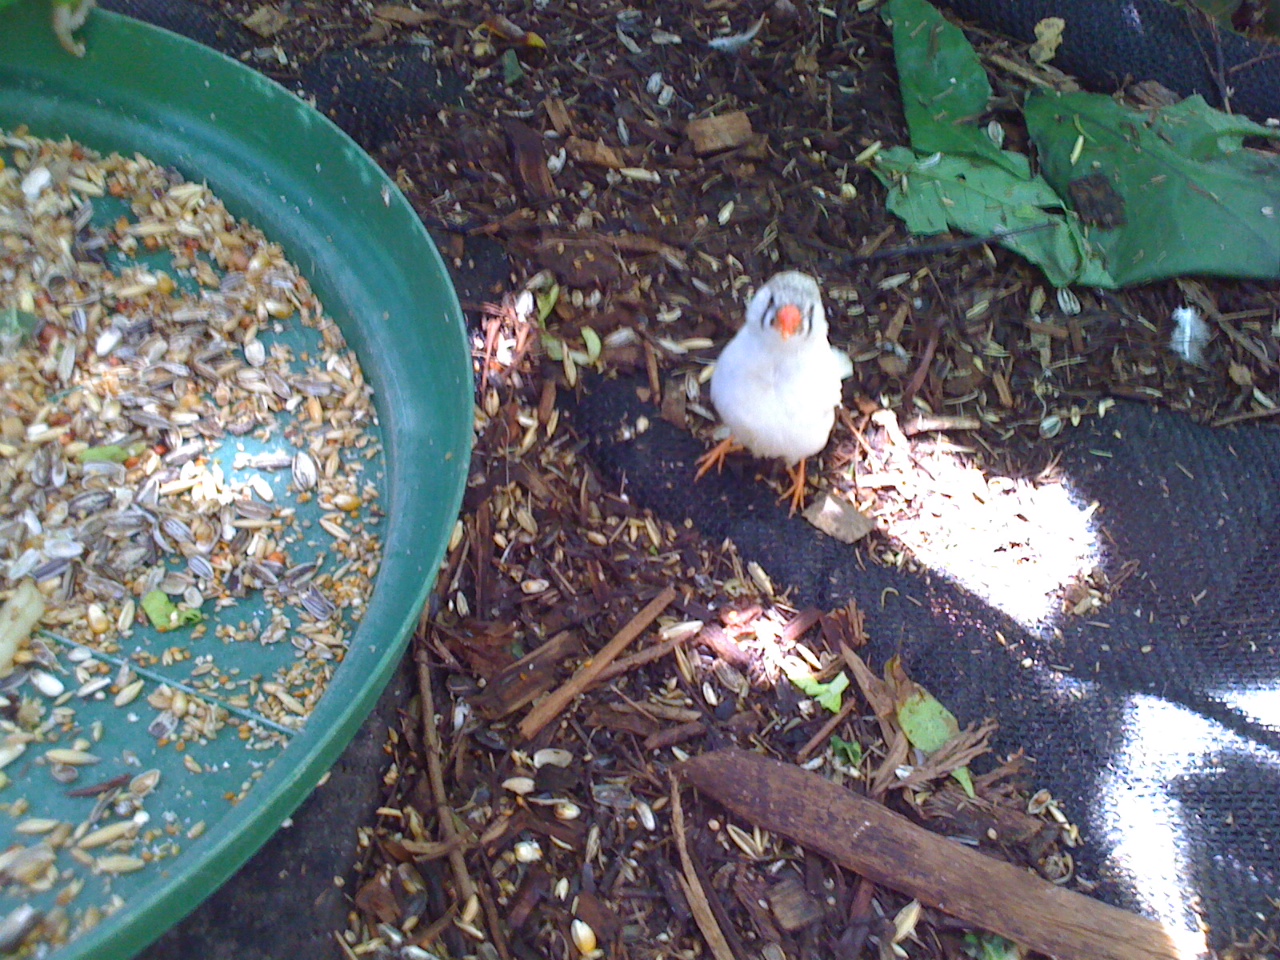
pixel 1018 545
pixel 1162 742
pixel 1260 704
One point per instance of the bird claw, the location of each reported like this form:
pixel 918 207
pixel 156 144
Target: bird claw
pixel 795 492
pixel 716 456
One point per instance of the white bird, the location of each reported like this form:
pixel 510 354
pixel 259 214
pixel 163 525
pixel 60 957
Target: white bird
pixel 776 385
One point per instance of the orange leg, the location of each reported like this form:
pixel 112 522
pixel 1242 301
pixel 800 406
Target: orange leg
pixel 715 457
pixel 795 493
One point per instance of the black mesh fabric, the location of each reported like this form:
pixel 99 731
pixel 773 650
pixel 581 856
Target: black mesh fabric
pixel 372 93
pixel 1109 42
pixel 1141 722
pixel 188 19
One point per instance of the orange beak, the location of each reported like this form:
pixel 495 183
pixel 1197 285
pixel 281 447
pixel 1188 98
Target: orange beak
pixel 788 320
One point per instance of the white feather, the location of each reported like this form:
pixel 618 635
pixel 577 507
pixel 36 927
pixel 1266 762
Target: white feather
pixel 1190 334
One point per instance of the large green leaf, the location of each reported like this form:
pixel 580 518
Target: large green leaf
pixel 1189 198
pixel 944 88
pixel 940 192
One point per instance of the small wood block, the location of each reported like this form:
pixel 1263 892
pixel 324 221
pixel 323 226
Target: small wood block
pixel 723 132
pixel 793 906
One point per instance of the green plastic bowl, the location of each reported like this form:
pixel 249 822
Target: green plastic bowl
pixel 281 165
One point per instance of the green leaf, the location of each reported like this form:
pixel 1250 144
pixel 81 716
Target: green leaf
pixel 15 326
pixel 164 615
pixel 939 193
pixel 554 347
pixel 944 88
pixel 927 723
pixel 930 726
pixel 1222 10
pixel 511 69
pixel 1186 197
pixel 827 695
pixel 990 946
pixel 848 752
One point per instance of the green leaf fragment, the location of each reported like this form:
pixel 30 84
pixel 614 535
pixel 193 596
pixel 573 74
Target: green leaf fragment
pixel 109 453
pixel 1183 196
pixel 956 177
pixel 164 614
pixel 930 726
pixel 15 326
pixel 940 193
pixel 827 695
pixel 554 347
pixel 511 69
pixel 848 752
pixel 944 88
pixel 927 723
pixel 990 946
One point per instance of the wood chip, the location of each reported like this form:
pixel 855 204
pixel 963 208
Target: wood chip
pixel 266 21
pixel 404 16
pixel 558 114
pixel 723 132
pixel 838 518
pixel 794 908
pixel 593 152
pixel 529 161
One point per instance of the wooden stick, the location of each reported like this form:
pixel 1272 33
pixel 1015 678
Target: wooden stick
pixel 694 893
pixel 432 749
pixel 637 659
pixel 890 850
pixel 550 708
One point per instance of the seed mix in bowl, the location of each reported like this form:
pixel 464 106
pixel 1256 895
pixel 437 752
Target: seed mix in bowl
pixel 190 472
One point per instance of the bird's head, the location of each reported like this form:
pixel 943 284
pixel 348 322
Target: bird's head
pixel 789 307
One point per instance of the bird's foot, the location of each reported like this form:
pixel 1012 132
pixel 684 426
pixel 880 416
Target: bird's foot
pixel 795 492
pixel 715 457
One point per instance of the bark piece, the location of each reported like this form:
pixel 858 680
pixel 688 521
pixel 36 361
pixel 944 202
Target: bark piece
pixel 593 152
pixel 793 906
pixel 522 682
pixel 722 132
pixel 838 519
pixel 530 162
pixel 558 114
pixel 579 263
pixel 889 849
